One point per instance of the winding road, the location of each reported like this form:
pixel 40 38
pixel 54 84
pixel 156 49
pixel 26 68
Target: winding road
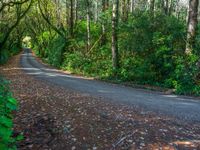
pixel 183 108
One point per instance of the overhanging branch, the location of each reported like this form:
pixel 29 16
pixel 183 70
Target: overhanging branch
pixel 19 17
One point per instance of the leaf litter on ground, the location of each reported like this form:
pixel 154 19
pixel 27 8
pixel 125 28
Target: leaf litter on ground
pixel 52 117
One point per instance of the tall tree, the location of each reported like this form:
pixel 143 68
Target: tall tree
pixel 192 25
pixel 76 10
pixel 107 3
pixel 123 10
pixel 166 7
pixel 152 6
pixel 105 6
pixel 88 24
pixel 96 11
pixel 71 18
pixel 132 5
pixel 115 19
pixel 58 13
pixel 171 7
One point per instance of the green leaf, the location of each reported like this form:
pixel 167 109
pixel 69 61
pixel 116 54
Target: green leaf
pixel 6 121
pixel 5 133
pixel 12 148
pixel 3 146
pixel 12 101
pixel 11 106
pixel 20 137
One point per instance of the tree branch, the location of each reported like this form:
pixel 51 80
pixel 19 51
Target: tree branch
pixel 2 43
pixel 48 21
pixel 12 3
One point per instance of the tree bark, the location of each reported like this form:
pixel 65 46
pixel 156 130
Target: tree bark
pixel 103 39
pixel 107 4
pixel 152 6
pixel 192 25
pixel 124 10
pixel 71 18
pixel 88 24
pixel 171 7
pixel 58 15
pixel 96 11
pixel 115 19
pixel 76 11
pixel 166 7
pixel 132 6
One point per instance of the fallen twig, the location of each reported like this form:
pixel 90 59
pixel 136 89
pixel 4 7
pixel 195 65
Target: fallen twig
pixel 121 139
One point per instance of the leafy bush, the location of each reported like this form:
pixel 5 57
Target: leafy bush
pixel 4 55
pixel 186 75
pixel 49 48
pixel 9 51
pixel 7 105
pixel 56 51
pixel 150 50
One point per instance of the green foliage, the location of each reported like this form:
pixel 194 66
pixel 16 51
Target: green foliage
pixel 9 50
pixel 7 105
pixel 4 55
pixel 78 62
pixel 55 52
pixel 49 47
pixel 187 75
pixel 151 51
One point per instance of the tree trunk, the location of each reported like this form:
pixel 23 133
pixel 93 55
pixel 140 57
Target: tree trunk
pixel 192 25
pixel 132 6
pixel 103 39
pixel 58 17
pixel 88 24
pixel 166 7
pixel 71 18
pixel 162 6
pixel 124 10
pixel 127 8
pixel 67 17
pixel 76 11
pixel 152 7
pixel 115 19
pixel 107 3
pixel 96 11
pixel 171 8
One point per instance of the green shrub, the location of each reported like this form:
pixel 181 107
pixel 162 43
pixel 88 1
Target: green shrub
pixel 9 51
pixel 186 75
pixel 4 55
pixel 149 48
pixel 7 105
pixel 50 48
pixel 56 51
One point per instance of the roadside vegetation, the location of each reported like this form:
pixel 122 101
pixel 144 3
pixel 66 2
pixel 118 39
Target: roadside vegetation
pixel 147 43
pixel 7 107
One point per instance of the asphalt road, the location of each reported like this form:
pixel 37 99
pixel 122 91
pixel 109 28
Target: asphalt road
pixel 183 108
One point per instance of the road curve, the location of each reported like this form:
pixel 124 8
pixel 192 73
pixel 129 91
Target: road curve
pixel 183 108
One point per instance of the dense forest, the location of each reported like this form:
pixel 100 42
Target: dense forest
pixel 148 42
